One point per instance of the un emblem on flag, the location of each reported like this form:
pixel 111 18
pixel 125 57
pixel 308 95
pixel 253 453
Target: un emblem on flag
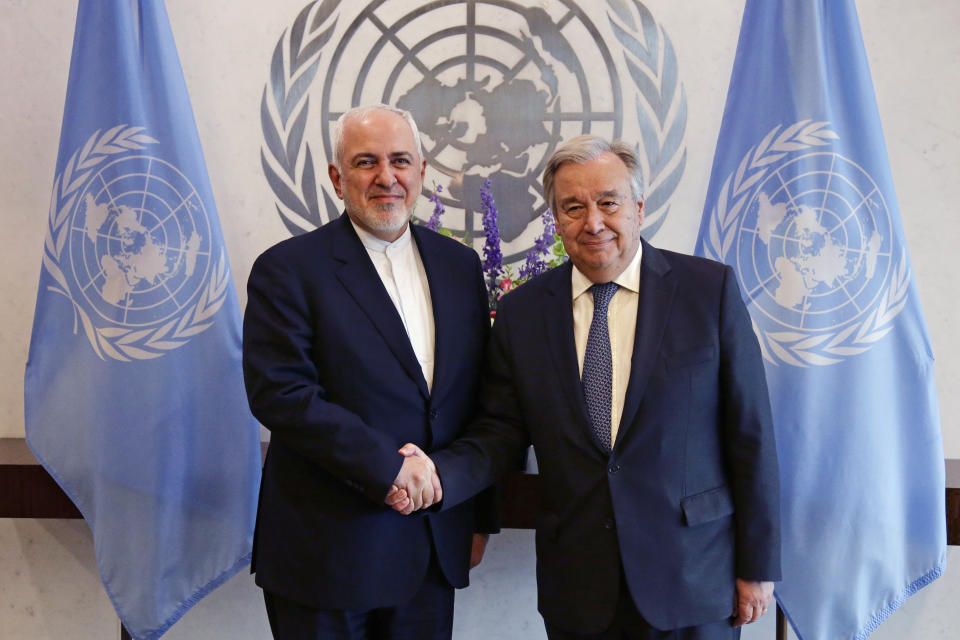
pixel 809 233
pixel 129 244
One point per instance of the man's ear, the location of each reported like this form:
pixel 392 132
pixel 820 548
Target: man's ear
pixel 640 211
pixel 335 179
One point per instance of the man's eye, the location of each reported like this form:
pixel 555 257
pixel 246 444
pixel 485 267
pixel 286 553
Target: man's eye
pixel 402 161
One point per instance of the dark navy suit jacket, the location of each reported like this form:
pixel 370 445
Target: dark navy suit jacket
pixel 688 499
pixel 331 373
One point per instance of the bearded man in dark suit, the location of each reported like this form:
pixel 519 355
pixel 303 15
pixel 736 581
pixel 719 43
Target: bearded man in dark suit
pixel 358 337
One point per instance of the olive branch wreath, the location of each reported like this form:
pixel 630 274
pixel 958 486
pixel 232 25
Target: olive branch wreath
pixel 119 343
pixel 663 118
pixel 283 117
pixel 793 347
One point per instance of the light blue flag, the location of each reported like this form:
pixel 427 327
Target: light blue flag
pixel 801 203
pixel 134 394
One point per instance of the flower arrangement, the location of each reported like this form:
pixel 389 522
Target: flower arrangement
pixel 438 210
pixel 547 251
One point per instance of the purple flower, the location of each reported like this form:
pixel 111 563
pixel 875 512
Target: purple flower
pixel 492 258
pixel 535 264
pixel 438 209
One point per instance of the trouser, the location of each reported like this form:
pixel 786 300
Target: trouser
pixel 426 616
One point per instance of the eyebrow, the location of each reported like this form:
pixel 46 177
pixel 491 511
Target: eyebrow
pixel 367 155
pixel 361 156
pixel 610 193
pixel 563 203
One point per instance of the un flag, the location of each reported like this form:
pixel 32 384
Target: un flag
pixel 134 394
pixel 801 204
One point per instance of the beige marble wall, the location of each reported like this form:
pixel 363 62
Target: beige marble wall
pixel 225 48
pixel 48 583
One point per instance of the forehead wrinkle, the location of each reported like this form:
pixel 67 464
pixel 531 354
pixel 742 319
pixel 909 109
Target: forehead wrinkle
pixel 610 193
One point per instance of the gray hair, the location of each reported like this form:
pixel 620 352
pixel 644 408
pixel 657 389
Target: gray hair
pixel 336 137
pixel 583 149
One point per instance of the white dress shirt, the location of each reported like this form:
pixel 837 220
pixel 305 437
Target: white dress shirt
pixel 401 270
pixel 621 322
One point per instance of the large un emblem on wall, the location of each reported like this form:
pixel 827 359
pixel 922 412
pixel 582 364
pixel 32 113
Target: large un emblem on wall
pixel 810 235
pixel 494 85
pixel 130 245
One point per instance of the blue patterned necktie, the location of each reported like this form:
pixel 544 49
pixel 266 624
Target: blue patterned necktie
pixel 598 365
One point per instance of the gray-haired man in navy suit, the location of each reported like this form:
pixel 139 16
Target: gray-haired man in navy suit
pixel 636 375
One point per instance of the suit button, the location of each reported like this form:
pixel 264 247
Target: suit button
pixel 434 414
pixel 614 468
pixel 609 524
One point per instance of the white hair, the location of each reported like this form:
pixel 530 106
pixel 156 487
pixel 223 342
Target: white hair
pixel 583 149
pixel 336 137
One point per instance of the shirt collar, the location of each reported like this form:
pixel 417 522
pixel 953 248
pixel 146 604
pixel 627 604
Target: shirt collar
pixel 629 278
pixel 373 243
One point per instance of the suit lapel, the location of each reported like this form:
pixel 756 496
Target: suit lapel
pixel 656 297
pixel 362 282
pixel 441 287
pixel 558 329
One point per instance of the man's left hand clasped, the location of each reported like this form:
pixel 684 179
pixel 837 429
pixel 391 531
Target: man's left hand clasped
pixel 417 485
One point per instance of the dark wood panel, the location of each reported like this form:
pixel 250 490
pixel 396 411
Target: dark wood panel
pixel 953 516
pixel 28 491
pixel 953 501
pixel 520 501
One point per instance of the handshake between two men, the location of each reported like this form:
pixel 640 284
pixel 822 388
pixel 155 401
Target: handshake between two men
pixel 417 485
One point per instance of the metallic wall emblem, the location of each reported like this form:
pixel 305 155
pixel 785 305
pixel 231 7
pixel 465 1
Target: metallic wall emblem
pixel 495 85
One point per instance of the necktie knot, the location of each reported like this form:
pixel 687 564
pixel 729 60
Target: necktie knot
pixel 602 294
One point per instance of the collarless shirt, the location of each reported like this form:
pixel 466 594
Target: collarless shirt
pixel 622 325
pixel 400 268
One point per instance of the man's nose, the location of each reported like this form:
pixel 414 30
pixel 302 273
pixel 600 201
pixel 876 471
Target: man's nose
pixel 385 177
pixel 593 221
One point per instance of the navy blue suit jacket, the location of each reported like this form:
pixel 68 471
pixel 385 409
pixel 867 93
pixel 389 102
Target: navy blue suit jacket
pixel 331 373
pixel 688 499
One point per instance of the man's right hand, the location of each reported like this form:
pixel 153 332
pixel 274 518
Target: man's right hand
pixel 417 485
pixel 751 602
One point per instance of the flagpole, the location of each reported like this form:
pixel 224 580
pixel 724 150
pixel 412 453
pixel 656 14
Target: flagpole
pixel 125 635
pixel 781 624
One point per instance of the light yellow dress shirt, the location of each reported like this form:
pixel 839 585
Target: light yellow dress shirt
pixel 622 325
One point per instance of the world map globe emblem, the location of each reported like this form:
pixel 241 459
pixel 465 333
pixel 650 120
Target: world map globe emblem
pixel 494 87
pixel 814 247
pixel 139 247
